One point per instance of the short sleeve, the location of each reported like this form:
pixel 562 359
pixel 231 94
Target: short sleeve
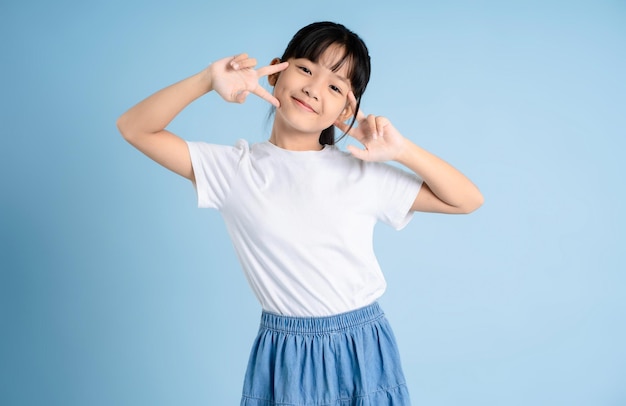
pixel 397 190
pixel 215 167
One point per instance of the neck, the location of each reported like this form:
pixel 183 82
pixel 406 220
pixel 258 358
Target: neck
pixel 295 141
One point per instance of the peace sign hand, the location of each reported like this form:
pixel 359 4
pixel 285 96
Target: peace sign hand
pixel 234 78
pixel 381 140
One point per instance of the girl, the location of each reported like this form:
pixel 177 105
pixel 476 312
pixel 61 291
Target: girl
pixel 301 213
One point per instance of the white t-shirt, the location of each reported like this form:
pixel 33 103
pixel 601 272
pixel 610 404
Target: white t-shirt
pixel 302 222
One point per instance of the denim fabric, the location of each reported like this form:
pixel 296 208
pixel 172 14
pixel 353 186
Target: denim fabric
pixel 349 359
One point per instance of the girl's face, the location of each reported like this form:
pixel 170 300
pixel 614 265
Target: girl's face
pixel 312 97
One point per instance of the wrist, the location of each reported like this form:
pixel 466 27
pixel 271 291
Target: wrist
pixel 404 151
pixel 205 79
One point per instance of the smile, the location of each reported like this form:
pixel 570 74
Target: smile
pixel 303 105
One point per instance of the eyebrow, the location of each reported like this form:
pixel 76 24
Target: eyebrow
pixel 343 79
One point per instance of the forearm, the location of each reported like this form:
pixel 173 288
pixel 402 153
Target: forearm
pixel 447 183
pixel 154 113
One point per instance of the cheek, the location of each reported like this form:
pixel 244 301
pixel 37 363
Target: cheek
pixel 278 90
pixel 338 107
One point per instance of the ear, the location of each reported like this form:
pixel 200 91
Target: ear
pixel 346 113
pixel 273 78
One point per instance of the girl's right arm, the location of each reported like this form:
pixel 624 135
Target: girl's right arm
pixel 144 124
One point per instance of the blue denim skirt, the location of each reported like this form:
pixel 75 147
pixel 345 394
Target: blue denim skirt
pixel 350 359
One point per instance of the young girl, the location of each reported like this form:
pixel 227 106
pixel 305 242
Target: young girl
pixel 301 213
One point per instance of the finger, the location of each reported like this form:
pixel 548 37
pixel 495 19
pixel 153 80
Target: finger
pixel 353 103
pixel 342 126
pixel 244 64
pixel 381 123
pixel 236 60
pixel 271 69
pixel 355 132
pixel 240 97
pixel 242 61
pixel 371 125
pixel 358 152
pixel 265 95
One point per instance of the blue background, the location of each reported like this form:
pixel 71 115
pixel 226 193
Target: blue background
pixel 116 290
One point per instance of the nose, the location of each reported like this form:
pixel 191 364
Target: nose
pixel 310 91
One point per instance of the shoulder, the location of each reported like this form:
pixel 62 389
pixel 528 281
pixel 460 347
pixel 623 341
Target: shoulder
pixel 205 149
pixel 345 158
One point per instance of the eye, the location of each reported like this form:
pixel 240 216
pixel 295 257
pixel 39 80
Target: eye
pixel 335 89
pixel 304 69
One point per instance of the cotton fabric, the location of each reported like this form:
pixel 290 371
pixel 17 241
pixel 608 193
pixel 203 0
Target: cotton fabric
pixel 302 222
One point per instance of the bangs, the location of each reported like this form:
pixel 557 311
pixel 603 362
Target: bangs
pixel 314 49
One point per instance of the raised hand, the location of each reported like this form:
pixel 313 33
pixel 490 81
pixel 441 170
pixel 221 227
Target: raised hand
pixel 234 78
pixel 380 139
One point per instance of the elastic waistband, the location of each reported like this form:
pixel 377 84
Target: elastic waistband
pixel 318 325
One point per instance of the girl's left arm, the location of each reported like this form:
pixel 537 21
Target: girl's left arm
pixel 445 189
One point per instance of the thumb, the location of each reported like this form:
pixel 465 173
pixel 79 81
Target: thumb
pixel 341 125
pixel 358 152
pixel 240 96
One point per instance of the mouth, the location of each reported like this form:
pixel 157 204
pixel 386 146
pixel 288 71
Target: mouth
pixel 303 105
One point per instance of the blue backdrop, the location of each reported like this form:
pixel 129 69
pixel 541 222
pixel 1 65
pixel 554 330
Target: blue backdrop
pixel 116 290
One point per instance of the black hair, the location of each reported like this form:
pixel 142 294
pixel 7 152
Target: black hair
pixel 311 41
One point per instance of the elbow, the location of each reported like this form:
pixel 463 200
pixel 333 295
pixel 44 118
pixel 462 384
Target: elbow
pixel 473 204
pixel 123 127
